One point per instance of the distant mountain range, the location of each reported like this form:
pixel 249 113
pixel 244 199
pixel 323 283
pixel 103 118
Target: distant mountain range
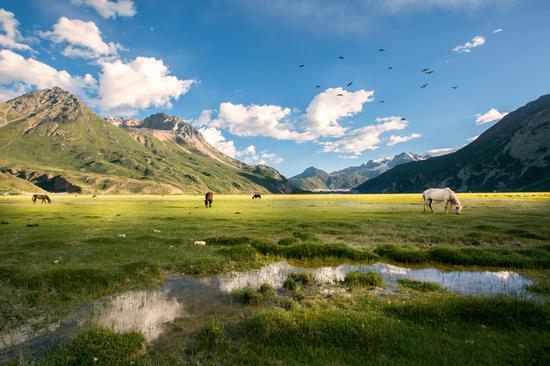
pixel 313 179
pixel 512 155
pixel 51 140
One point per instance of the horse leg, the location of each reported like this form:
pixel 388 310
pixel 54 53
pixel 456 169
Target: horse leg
pixel 210 204
pixel 430 205
pixel 446 203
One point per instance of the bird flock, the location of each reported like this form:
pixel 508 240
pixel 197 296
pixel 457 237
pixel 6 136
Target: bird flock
pixel 425 71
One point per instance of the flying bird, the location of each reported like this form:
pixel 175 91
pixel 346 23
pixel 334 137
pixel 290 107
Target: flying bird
pixel 349 84
pixel 454 87
pixel 380 50
pixel 429 72
pixel 340 57
pixel 423 86
pixel 318 86
pixel 424 69
pixel 381 101
pixel 390 68
pixel 302 65
pixel 403 119
pixel 339 95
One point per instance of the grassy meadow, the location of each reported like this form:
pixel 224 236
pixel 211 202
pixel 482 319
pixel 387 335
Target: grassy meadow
pixel 82 248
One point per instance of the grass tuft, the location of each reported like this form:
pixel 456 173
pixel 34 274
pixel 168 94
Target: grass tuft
pixel 363 279
pixel 519 258
pixel 100 346
pixel 419 285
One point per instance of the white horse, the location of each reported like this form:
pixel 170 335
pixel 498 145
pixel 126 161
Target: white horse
pixel 444 195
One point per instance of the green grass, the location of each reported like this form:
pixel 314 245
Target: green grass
pixel 541 287
pixel 419 285
pixel 100 346
pixel 536 257
pixel 363 279
pixel 75 256
pixel 425 331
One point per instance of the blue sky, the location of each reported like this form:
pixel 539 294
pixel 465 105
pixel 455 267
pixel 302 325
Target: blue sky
pixel 231 68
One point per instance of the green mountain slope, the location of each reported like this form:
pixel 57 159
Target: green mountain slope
pixel 52 139
pixel 513 155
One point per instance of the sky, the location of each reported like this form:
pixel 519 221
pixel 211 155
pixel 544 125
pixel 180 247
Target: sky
pixel 232 69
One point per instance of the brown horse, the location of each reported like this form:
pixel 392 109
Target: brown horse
pixel 40 196
pixel 208 198
pixel 257 195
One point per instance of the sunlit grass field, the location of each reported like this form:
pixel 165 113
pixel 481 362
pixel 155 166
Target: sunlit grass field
pixel 81 248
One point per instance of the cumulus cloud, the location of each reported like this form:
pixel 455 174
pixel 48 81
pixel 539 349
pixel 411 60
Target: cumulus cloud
pixel 249 155
pixel 141 83
pixel 396 139
pixel 10 37
pixel 215 138
pixel 27 72
pixel 84 39
pixel 11 91
pixel 468 46
pixel 492 115
pixel 365 138
pixel 329 107
pixel 256 120
pixel 110 9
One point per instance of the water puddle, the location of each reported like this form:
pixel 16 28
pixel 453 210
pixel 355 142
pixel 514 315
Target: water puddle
pixel 183 304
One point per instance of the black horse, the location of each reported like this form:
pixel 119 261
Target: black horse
pixel 208 198
pixel 257 195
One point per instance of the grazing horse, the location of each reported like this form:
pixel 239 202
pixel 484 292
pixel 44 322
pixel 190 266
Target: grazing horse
pixel 444 195
pixel 257 195
pixel 208 198
pixel 40 196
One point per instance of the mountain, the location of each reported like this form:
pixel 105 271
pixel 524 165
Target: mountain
pixel 512 155
pixel 53 140
pixel 313 179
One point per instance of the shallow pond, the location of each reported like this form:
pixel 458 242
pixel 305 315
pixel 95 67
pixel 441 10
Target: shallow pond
pixel 183 304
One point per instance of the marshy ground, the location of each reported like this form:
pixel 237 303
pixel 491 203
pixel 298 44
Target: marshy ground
pixel 79 249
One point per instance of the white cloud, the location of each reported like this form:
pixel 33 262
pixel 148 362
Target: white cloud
pixel 12 91
pixel 110 9
pixel 365 138
pixel 141 83
pixel 14 68
pixel 84 39
pixel 249 155
pixel 468 46
pixel 256 120
pixel 10 37
pixel 444 150
pixel 348 156
pixel 396 139
pixel 215 138
pixel 329 107
pixel 492 115
pixel 498 30
pixel 473 138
